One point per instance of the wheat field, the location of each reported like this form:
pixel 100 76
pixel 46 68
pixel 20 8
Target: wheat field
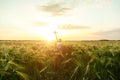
pixel 81 60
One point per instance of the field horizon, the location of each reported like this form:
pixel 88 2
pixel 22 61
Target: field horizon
pixel 64 40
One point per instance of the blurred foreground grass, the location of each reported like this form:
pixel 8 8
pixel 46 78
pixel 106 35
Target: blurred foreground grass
pixel 83 60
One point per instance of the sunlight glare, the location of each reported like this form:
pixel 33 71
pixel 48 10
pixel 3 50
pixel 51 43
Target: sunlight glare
pixel 48 34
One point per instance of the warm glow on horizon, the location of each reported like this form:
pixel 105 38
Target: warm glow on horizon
pixel 48 34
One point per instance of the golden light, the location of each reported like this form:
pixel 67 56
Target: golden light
pixel 48 33
pixel 49 36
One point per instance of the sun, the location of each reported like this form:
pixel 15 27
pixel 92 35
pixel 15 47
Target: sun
pixel 48 34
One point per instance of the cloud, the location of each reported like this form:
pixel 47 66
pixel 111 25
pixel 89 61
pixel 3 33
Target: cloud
pixel 61 7
pixel 111 34
pixel 71 27
pixel 40 23
pixel 54 9
pixel 114 31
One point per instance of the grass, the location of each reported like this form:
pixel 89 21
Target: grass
pixel 37 60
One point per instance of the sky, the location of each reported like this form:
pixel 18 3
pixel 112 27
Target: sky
pixel 72 19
